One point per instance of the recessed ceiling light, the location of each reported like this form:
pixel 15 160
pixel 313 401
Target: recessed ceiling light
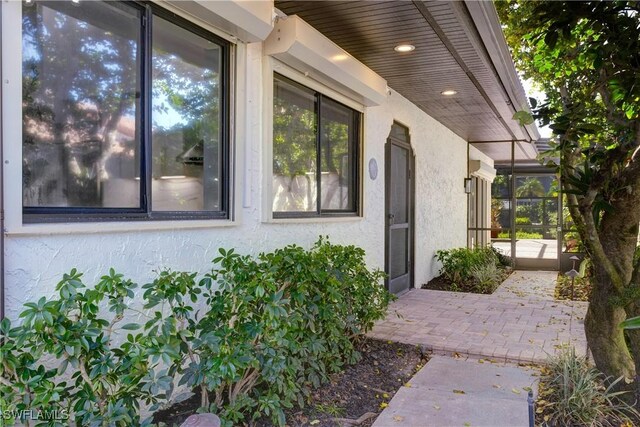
pixel 404 48
pixel 448 92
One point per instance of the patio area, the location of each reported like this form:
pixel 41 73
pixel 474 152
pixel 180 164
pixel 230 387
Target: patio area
pixel 530 248
pixel 520 322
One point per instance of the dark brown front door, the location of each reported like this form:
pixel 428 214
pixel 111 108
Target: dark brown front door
pixel 399 210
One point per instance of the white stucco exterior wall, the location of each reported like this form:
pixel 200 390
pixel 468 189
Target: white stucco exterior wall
pixel 36 259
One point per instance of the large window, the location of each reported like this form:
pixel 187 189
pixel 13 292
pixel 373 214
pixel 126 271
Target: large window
pixel 315 153
pixel 124 114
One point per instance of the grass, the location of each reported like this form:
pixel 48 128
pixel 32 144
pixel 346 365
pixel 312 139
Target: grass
pixel 330 409
pixel 573 393
pixel 520 235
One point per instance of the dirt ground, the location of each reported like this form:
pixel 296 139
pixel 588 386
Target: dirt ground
pixel 352 398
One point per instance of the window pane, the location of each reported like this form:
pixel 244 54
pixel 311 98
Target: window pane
pixel 186 131
pixel 294 148
pixel 80 127
pixel 337 156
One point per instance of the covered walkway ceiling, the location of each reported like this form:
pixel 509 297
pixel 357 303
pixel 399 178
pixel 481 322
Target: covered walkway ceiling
pixel 458 46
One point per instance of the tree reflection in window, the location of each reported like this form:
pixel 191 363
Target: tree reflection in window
pixel 87 133
pixel 309 128
pixel 81 132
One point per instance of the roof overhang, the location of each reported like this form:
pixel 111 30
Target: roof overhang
pixel 459 46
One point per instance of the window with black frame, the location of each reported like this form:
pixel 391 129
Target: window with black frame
pixel 124 114
pixel 315 153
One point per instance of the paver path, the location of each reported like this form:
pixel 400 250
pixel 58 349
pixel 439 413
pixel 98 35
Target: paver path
pixel 455 392
pixel 530 285
pixel 518 322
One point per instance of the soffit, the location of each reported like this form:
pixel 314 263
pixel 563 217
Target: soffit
pixel 449 55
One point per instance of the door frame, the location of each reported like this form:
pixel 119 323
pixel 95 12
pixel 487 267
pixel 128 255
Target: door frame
pixel 530 263
pixel 411 205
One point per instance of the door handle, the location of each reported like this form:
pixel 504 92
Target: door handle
pixel 391 218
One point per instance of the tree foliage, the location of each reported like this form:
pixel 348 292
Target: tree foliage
pixel 586 57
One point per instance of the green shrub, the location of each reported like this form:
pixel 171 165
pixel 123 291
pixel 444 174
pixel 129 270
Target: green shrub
pixel 106 382
pixel 254 336
pixel 523 221
pixel 457 264
pixel 487 277
pixel 572 393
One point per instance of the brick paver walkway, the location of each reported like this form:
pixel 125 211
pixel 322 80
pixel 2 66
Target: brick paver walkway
pixel 515 323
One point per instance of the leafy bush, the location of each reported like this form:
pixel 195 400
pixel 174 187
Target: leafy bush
pixel 107 383
pixel 487 277
pixel 277 325
pixel 458 263
pixel 253 336
pixel 478 270
pixel 523 221
pixel 572 393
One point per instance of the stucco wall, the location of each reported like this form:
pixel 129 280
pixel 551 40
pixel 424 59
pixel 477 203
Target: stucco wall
pixel 36 261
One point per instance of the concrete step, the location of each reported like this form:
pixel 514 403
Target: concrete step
pixel 457 392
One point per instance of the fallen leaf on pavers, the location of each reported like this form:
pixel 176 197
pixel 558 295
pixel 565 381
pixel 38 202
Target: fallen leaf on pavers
pixel 436 407
pixel 398 418
pixel 480 360
pixel 497 386
pixel 383 405
pixel 457 355
pixel 407 385
pixel 526 388
pixel 467 424
pixel 459 392
pixel 515 390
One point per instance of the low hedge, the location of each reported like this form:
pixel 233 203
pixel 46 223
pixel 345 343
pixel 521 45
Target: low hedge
pixel 254 335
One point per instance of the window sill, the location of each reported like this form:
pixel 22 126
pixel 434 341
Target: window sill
pixel 115 227
pixel 315 219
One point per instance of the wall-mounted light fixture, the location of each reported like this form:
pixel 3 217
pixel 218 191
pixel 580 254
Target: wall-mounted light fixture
pixel 467 185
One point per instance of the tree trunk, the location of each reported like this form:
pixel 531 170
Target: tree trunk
pixel 604 335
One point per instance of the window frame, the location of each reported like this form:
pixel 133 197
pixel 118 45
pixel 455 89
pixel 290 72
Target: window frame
pixel 357 137
pixel 46 214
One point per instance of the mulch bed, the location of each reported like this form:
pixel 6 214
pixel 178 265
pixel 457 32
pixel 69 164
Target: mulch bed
pixel 359 393
pixel 441 283
pixel 581 288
